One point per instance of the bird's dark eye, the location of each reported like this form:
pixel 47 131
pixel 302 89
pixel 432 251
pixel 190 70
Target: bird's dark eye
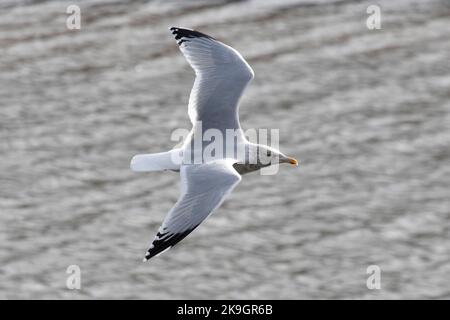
pixel 269 153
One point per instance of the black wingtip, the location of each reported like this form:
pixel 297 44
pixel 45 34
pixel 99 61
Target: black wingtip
pixel 183 34
pixel 164 242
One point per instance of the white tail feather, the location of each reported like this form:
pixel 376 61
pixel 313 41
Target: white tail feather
pixel 156 161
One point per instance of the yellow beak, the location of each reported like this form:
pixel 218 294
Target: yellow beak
pixel 293 161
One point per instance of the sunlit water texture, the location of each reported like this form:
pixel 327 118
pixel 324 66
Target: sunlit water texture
pixel 365 111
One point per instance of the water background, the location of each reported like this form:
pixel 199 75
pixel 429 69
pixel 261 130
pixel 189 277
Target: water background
pixel 365 111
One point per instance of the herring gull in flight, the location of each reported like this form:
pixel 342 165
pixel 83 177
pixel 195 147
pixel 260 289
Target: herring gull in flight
pixel 222 75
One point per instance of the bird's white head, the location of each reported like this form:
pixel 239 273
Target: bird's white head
pixel 265 156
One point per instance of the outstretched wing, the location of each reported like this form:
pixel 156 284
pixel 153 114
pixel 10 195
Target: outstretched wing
pixel 221 78
pixel 204 187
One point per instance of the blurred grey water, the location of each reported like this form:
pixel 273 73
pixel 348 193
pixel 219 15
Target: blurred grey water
pixel 365 111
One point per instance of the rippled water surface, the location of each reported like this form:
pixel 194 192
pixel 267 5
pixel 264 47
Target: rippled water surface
pixel 365 111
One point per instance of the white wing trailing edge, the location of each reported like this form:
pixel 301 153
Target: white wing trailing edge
pixel 204 188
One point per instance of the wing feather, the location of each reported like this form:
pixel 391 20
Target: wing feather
pixel 204 188
pixel 222 75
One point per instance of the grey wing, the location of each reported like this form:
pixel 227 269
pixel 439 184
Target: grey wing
pixel 222 75
pixel 204 187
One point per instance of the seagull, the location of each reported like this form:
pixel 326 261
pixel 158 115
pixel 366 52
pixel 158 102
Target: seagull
pixel 222 75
